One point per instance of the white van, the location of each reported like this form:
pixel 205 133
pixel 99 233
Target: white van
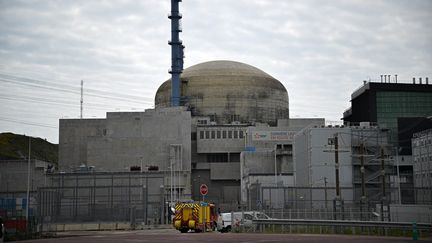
pixel 225 221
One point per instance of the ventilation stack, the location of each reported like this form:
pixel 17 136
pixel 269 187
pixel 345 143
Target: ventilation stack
pixel 176 52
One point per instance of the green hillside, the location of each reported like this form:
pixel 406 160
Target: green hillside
pixel 14 146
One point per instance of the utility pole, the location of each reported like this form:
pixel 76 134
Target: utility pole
pixel 362 173
pixel 337 202
pixel 28 181
pixel 276 184
pixel 337 166
pixel 398 176
pixel 325 192
pixel 383 198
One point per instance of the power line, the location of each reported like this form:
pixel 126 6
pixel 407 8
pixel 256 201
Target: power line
pixel 28 123
pixel 66 86
pixel 93 106
pixel 72 89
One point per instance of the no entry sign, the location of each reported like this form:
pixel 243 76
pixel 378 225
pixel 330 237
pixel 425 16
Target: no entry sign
pixel 203 189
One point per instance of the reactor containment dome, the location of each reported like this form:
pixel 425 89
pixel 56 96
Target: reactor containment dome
pixel 229 92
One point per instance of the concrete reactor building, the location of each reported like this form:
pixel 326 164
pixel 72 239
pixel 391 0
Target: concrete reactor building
pixel 228 108
pixel 229 92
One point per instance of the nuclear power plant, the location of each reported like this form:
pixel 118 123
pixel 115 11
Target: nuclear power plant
pixel 221 123
pixel 227 108
pixel 225 124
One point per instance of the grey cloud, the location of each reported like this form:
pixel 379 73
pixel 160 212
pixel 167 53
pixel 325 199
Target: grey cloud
pixel 320 50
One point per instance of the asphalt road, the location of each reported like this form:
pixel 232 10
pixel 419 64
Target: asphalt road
pixel 162 236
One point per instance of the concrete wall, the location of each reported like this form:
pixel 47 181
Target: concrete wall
pixel 317 159
pixel 14 171
pixel 224 171
pixel 74 135
pixel 126 139
pixel 160 137
pixel 314 160
pixel 300 123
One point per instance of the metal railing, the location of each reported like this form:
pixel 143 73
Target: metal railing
pixel 341 226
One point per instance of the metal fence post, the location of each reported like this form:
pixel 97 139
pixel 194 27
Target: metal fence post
pixel 162 203
pixel 145 203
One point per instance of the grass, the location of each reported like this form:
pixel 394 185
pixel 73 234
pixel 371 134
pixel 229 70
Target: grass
pixel 14 146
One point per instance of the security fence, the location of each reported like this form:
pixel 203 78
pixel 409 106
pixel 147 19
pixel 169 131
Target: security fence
pixel 107 197
pixel 321 203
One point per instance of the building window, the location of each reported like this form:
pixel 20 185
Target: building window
pixel 202 122
pixel 234 157
pixel 224 134
pixel 213 118
pixel 201 134
pixel 229 134
pixel 235 118
pixel 213 136
pixel 235 134
pixel 240 134
pixel 217 157
pixel 218 133
pixel 207 134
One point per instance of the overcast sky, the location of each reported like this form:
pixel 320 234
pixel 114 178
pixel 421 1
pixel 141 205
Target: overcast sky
pixel 320 50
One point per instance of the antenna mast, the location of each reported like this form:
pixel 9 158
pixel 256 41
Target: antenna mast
pixel 81 101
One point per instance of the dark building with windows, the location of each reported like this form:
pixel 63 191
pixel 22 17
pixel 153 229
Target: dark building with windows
pixel 385 103
pixel 403 109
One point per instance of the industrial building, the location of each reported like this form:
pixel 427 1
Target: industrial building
pixel 356 177
pixel 229 107
pixel 403 109
pixel 386 103
pixel 422 165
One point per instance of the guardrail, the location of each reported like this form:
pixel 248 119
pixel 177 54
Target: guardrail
pixel 338 226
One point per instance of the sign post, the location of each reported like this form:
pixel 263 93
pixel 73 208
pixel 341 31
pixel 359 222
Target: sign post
pixel 204 191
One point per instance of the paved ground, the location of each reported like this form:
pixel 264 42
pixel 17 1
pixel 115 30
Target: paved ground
pixel 165 235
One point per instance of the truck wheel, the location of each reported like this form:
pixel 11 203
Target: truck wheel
pixel 228 228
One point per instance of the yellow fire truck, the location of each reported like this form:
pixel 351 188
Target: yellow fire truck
pixel 196 216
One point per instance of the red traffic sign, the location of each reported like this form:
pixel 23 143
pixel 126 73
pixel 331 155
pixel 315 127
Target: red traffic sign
pixel 203 189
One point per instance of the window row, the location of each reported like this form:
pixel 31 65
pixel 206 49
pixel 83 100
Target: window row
pixel 224 134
